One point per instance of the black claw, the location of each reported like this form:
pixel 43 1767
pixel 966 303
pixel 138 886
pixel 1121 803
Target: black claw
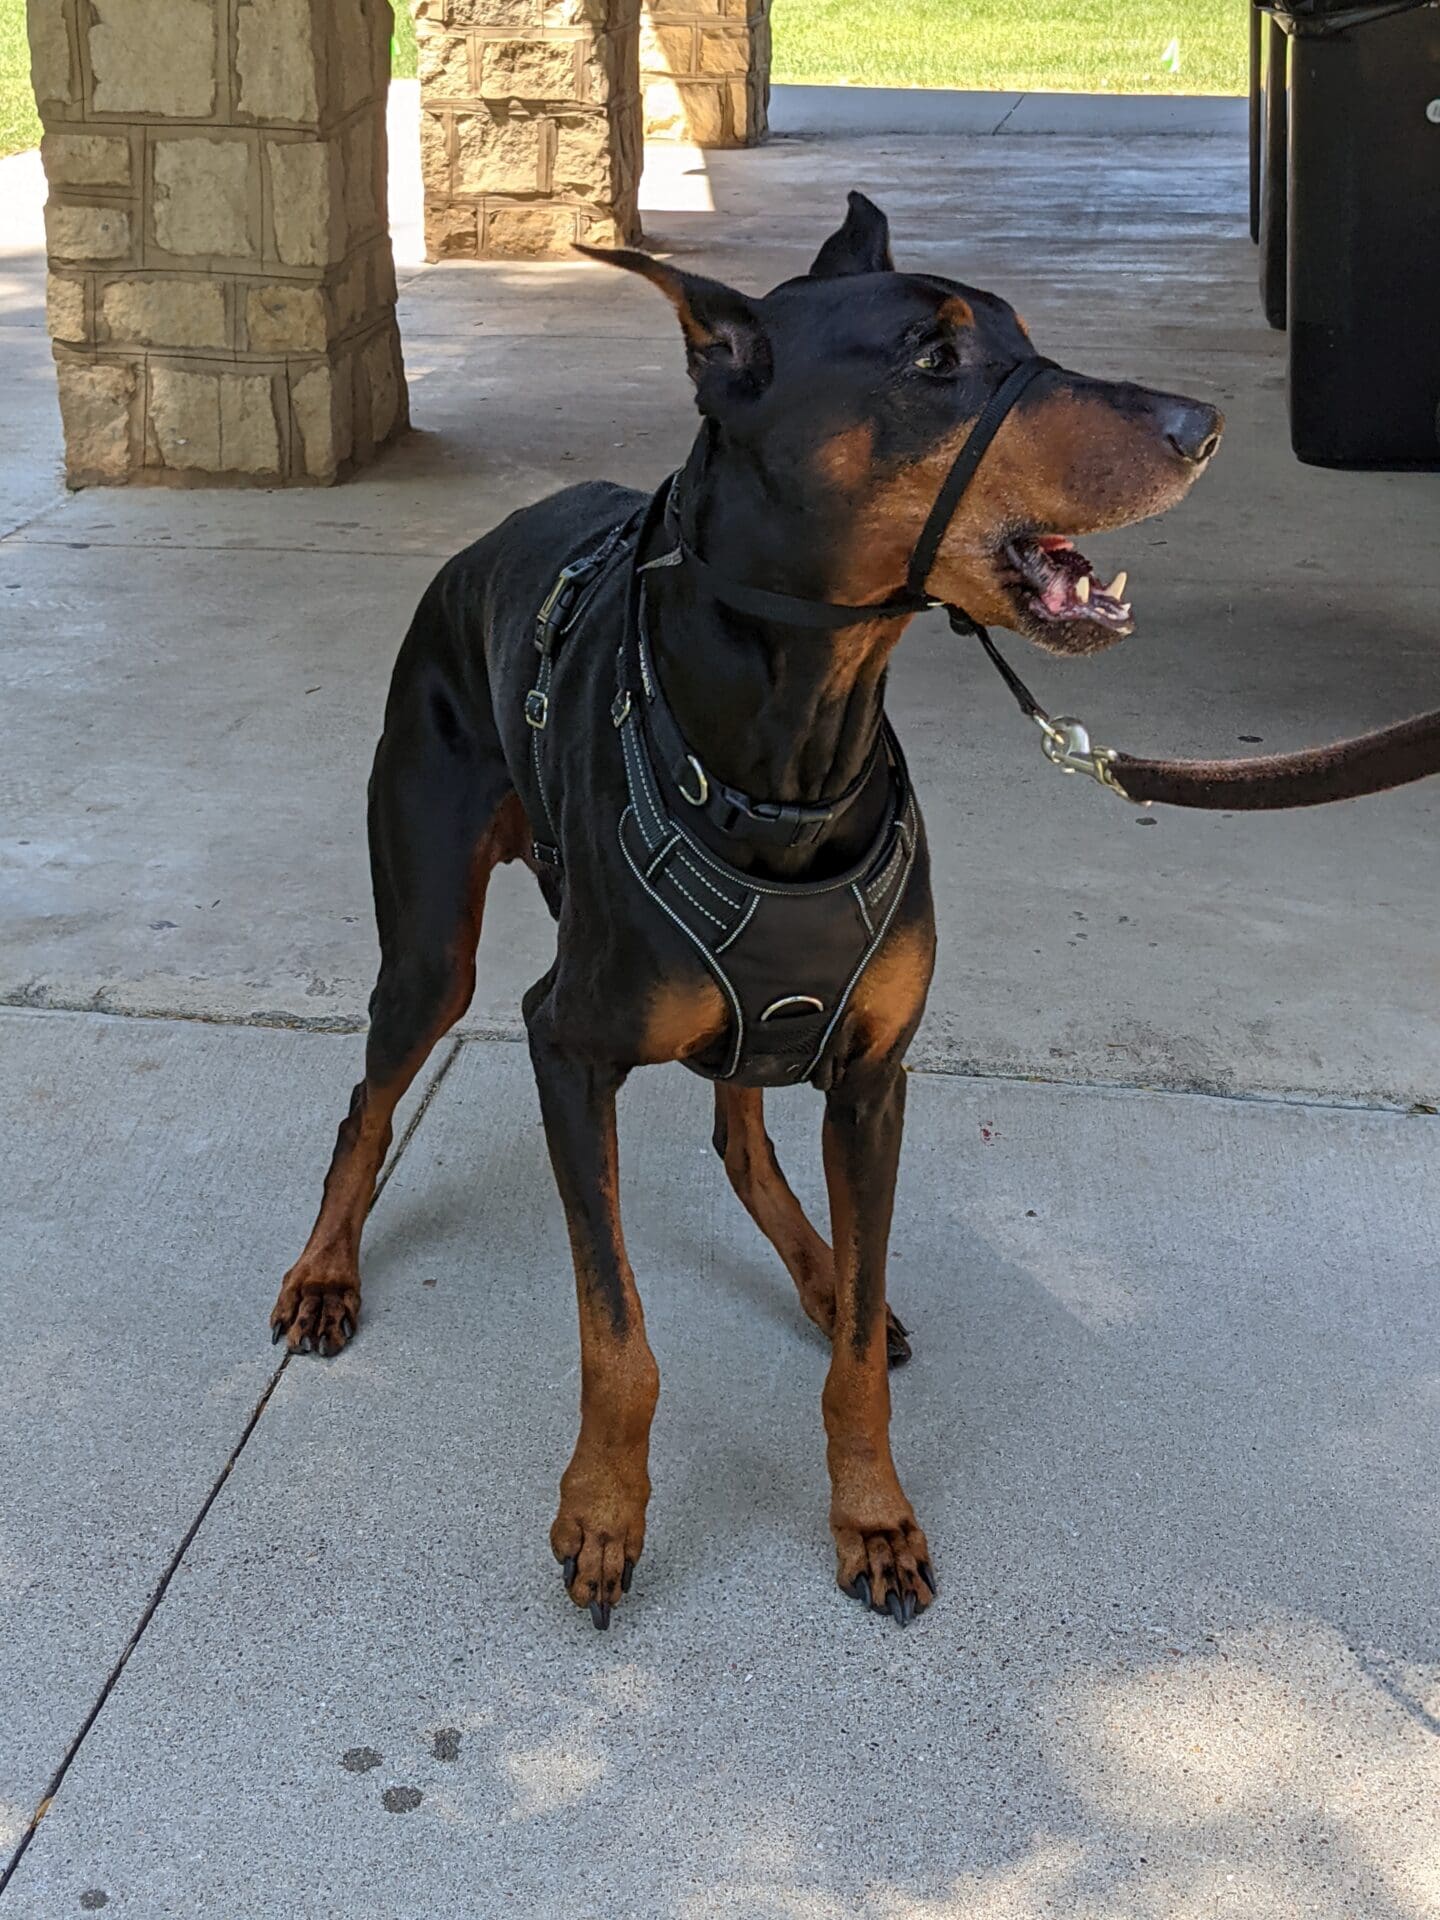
pixel 894 1606
pixel 912 1607
pixel 899 1325
pixel 324 1348
pixel 600 1614
pixel 567 1572
pixel 347 1326
pixel 927 1574
pixel 302 1345
pixel 859 1589
pixel 277 1334
pixel 627 1575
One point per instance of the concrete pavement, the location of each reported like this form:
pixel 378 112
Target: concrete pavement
pixel 1171 1424
pixel 1172 1419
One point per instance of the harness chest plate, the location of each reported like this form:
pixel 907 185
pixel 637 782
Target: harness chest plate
pixel 787 956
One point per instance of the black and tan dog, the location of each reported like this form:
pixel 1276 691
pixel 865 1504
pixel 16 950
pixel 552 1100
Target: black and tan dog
pixel 760 941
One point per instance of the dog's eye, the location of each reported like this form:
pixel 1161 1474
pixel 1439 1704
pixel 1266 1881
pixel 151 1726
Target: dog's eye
pixel 939 357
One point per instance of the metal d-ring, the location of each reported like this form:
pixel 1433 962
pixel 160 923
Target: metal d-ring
pixel 695 799
pixel 790 1003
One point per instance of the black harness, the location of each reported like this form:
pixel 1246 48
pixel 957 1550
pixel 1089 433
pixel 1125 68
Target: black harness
pixel 787 955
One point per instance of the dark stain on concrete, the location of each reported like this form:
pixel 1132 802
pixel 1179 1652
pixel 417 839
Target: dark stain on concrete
pixel 360 1759
pixel 93 1899
pixel 401 1799
pixel 445 1743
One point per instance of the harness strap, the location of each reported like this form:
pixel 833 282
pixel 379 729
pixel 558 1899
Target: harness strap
pixel 787 609
pixel 559 611
pixel 962 471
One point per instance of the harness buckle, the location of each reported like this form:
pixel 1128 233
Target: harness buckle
pixel 1066 744
pixel 537 708
pixel 559 601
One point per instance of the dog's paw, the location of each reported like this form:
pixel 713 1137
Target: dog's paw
pixel 597 1540
pixel 887 1570
pixel 314 1313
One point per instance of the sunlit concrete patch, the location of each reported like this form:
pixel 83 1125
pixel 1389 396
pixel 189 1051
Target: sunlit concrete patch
pixel 676 179
pixel 1266 1765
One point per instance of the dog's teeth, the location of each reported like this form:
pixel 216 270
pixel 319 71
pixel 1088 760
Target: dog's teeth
pixel 1082 589
pixel 1117 586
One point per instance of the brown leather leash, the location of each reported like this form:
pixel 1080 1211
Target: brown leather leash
pixel 1343 770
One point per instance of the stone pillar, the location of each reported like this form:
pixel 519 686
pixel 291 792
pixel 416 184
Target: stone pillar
pixel 222 295
pixel 529 125
pixel 705 71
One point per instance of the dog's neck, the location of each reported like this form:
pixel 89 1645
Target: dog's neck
pixel 782 712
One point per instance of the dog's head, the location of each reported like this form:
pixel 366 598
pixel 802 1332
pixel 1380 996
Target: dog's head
pixel 850 390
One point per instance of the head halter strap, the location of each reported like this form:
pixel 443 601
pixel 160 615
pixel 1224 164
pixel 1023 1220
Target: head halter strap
pixel 790 610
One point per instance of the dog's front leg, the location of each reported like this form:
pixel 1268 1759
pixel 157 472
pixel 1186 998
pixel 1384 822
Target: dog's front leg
pixel 600 1528
pixel 883 1558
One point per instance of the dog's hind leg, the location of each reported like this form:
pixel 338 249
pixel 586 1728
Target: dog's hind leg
pixel 746 1148
pixel 442 816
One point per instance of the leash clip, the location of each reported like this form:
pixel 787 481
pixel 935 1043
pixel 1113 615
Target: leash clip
pixel 1066 744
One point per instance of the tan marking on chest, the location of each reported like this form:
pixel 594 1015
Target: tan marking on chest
pixel 682 1019
pixel 890 994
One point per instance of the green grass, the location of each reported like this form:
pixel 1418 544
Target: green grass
pixel 19 122
pixel 1079 46
pixel 1082 46
pixel 404 41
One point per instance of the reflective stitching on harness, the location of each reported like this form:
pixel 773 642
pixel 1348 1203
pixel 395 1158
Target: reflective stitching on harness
pixel 698 905
pixel 690 934
pixel 720 894
pixel 659 857
pixel 736 931
pixel 864 910
pixel 878 885
pixel 865 959
pixel 636 760
pixel 751 884
pixel 636 782
pixel 540 784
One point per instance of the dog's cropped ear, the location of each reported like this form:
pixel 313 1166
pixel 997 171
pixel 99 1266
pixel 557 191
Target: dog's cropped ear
pixel 860 245
pixel 726 347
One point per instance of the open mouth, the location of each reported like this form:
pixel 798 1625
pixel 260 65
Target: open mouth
pixel 1053 584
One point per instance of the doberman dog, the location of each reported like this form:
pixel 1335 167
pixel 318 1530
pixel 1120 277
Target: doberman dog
pixel 678 672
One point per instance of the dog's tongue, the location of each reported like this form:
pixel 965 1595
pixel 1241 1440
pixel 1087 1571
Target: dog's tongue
pixel 1063 582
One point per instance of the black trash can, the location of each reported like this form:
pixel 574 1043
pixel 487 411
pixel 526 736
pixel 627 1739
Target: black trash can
pixel 1363 191
pixel 1273 232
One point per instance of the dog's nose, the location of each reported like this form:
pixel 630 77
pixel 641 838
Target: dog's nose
pixel 1193 429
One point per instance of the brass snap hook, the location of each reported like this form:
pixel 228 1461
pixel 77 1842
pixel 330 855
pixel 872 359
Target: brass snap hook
pixel 1067 745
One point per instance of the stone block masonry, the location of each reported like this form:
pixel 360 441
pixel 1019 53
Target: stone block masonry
pixel 530 125
pixel 222 293
pixel 705 71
